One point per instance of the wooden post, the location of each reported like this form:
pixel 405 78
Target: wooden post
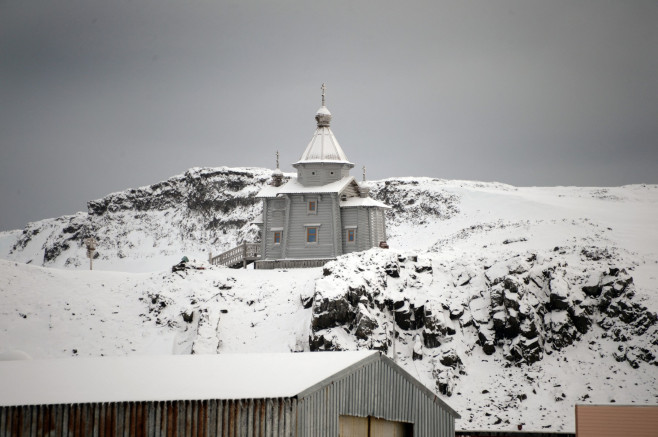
pixel 210 257
pixel 244 255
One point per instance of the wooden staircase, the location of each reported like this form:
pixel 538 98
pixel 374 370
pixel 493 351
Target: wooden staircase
pixel 240 256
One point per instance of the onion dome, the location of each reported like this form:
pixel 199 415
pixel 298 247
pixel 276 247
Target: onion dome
pixel 323 117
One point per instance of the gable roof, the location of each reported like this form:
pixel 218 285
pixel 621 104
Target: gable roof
pixel 293 186
pixel 351 202
pixel 170 377
pixel 379 356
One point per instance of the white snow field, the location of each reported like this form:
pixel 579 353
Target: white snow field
pixel 465 239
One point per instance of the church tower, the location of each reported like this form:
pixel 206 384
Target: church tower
pixel 323 161
pixel 321 213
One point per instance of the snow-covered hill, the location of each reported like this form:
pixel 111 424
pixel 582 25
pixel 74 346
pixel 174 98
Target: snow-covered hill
pixel 516 303
pixel 145 229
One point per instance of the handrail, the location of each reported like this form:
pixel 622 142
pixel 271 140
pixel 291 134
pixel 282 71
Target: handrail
pixel 245 252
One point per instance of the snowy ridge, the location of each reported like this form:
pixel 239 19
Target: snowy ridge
pixel 512 303
pixel 145 228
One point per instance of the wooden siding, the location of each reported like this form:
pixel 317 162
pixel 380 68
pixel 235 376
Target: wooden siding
pixel 363 220
pixel 322 174
pixel 275 214
pixel 198 418
pixel 351 190
pixel 613 420
pixel 349 219
pixel 291 263
pixel 376 389
pixel 298 217
pixel 370 227
pixel 377 226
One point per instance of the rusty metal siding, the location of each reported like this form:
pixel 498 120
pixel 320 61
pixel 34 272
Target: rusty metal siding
pixel 375 389
pixel 616 420
pixel 205 418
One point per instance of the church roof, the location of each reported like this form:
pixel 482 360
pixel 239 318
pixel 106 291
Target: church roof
pixel 293 186
pixel 362 201
pixel 323 146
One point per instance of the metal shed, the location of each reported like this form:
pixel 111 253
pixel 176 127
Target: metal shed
pixel 303 394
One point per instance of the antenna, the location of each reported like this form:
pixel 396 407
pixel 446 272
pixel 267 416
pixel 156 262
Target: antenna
pixel 277 159
pixel 364 173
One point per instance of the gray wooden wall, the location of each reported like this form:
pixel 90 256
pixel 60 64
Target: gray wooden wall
pixel 313 175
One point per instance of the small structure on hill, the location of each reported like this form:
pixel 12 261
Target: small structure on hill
pixel 359 394
pixel 316 216
pixel 321 213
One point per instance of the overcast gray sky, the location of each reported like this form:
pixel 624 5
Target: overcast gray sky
pixel 99 96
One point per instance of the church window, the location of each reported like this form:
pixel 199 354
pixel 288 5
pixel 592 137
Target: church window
pixel 277 237
pixel 311 235
pixel 351 235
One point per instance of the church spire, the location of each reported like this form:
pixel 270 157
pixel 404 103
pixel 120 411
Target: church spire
pixel 323 146
pixel 324 88
pixel 277 176
pixel 323 116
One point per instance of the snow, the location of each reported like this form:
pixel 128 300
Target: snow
pixel 168 377
pixel 362 201
pixel 293 186
pixel 134 306
pixel 324 146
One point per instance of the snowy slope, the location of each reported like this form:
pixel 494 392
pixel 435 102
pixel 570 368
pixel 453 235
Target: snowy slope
pixel 147 228
pixel 516 302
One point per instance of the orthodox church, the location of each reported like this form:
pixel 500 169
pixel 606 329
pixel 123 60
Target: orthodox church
pixel 323 212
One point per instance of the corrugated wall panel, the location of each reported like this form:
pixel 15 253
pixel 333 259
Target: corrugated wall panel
pixel 616 420
pixel 377 390
pixel 243 418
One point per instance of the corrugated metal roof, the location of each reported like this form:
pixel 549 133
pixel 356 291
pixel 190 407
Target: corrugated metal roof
pixel 372 374
pixel 171 377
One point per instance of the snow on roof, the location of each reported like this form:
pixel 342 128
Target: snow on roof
pixel 293 186
pixel 323 147
pixel 362 201
pixel 170 377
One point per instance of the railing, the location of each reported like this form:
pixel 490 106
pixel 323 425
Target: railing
pixel 239 256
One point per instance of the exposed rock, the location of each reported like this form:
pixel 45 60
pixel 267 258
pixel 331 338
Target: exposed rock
pixel 407 317
pixel 417 353
pixel 365 323
pixel 449 358
pixel 329 313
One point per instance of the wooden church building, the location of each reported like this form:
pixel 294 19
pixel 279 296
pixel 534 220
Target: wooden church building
pixel 321 213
